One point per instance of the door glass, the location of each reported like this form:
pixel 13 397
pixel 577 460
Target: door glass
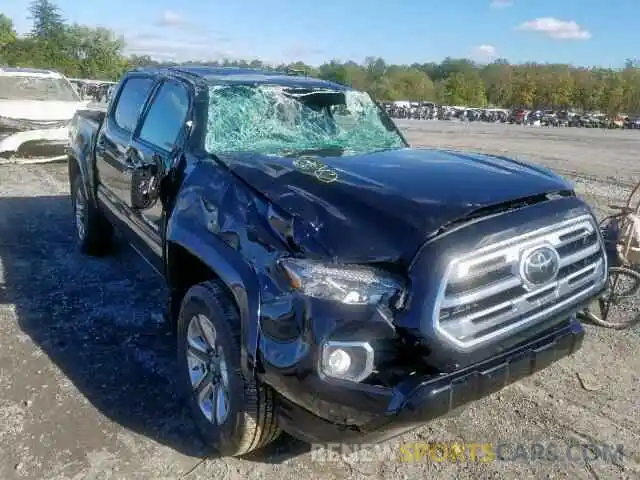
pixel 166 117
pixel 134 94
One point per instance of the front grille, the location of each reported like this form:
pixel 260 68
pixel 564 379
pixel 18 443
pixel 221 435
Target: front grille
pixel 485 293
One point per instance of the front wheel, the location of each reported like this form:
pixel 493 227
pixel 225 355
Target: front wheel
pixel 618 306
pixel 234 412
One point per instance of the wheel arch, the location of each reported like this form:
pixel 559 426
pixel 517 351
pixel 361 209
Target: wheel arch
pixel 190 260
pixel 77 166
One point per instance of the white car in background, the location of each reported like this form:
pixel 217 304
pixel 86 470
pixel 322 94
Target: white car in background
pixel 36 107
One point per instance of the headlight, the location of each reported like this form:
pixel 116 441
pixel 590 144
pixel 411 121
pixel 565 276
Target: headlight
pixel 351 361
pixel 351 284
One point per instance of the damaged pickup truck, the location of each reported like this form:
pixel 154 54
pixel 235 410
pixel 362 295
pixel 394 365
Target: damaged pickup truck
pixel 326 279
pixel 36 107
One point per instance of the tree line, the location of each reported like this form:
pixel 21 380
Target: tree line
pixel 98 53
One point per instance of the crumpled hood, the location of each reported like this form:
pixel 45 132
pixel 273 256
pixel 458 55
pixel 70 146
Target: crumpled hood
pixel 35 110
pixel 382 206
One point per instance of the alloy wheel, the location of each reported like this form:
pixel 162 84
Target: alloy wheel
pixel 207 370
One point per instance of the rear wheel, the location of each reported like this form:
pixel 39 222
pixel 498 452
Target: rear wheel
pixel 618 306
pixel 93 232
pixel 234 412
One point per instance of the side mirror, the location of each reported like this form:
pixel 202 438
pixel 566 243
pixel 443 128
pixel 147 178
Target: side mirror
pixel 145 186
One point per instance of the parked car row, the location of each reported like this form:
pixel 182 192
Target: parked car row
pixel 95 90
pixel 553 118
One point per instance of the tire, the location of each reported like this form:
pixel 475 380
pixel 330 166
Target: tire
pixel 601 309
pixel 93 232
pixel 250 420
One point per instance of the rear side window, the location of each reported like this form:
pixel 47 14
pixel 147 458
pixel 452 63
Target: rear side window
pixel 166 117
pixel 134 93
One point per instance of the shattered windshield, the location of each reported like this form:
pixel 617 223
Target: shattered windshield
pixel 275 120
pixel 36 88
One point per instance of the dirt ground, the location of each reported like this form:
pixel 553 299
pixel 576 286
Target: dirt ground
pixel 86 372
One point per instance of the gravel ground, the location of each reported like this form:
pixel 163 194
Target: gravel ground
pixel 86 372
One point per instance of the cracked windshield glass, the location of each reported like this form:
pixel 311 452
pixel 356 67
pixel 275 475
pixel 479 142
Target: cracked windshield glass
pixel 279 121
pixel 36 88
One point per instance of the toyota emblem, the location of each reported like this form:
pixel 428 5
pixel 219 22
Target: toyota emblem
pixel 540 266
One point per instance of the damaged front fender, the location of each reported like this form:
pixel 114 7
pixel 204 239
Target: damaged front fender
pixel 239 278
pixel 225 226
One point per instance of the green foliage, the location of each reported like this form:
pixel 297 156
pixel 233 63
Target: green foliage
pixel 48 23
pixel 7 34
pixel 465 88
pixel 75 50
pixel 89 52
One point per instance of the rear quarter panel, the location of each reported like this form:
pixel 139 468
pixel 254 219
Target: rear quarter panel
pixel 83 131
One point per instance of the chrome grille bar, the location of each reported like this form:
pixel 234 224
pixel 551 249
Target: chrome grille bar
pixel 484 295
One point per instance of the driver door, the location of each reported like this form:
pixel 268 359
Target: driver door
pixel 157 143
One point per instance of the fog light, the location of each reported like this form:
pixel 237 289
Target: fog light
pixel 351 361
pixel 339 362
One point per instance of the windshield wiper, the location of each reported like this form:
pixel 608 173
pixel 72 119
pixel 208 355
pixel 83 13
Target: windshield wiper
pixel 329 149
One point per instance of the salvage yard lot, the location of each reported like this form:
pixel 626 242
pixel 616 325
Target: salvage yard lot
pixel 86 371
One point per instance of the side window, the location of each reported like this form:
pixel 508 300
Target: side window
pixel 134 93
pixel 166 117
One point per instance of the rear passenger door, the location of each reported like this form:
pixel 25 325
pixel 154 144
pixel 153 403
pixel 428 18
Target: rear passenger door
pixel 159 140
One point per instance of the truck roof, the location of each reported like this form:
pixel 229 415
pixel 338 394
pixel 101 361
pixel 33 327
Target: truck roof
pixel 247 76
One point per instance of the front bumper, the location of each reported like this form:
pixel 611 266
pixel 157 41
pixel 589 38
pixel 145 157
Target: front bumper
pixel 416 401
pixel 44 144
